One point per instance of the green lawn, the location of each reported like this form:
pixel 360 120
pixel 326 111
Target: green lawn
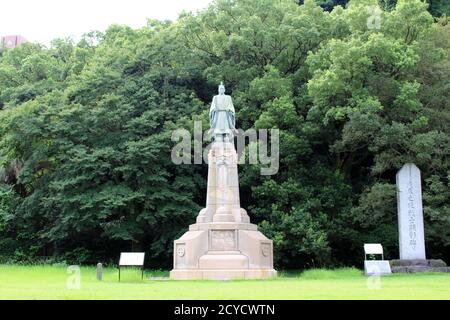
pixel 47 282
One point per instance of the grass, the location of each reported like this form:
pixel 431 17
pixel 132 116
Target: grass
pixel 50 282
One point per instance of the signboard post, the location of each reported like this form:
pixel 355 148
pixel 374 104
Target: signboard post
pixel 132 259
pixel 375 267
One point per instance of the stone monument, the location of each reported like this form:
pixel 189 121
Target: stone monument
pixel 410 213
pixel 410 225
pixel 223 244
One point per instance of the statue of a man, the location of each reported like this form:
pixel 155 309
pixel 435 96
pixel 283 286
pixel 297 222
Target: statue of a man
pixel 221 116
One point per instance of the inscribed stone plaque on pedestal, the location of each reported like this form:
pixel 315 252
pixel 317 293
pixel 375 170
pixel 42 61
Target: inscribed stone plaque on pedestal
pixel 410 213
pixel 223 240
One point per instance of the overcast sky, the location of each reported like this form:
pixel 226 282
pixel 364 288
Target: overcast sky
pixel 44 20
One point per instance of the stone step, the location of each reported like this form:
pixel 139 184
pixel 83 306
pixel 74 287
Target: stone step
pixel 434 263
pixel 415 269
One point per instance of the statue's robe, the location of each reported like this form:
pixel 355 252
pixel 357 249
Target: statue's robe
pixel 222 115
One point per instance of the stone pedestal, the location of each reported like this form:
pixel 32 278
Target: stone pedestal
pixel 223 244
pixel 418 265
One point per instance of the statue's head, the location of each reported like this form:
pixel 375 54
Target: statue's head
pixel 221 88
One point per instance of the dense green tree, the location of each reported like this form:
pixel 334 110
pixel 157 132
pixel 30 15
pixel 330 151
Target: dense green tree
pixel 85 129
pixel 437 8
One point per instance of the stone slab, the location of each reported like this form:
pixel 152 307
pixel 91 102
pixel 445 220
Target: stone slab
pixel 200 274
pixel 415 269
pixel 418 265
pixel 376 267
pixel 436 263
pixel 223 261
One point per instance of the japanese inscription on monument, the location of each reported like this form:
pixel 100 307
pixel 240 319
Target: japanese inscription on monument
pixel 410 213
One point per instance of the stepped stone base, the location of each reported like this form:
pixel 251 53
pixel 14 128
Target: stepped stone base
pixel 418 265
pixel 225 274
pixel 222 251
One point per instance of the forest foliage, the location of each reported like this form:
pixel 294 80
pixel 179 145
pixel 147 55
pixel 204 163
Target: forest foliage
pixel 85 130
